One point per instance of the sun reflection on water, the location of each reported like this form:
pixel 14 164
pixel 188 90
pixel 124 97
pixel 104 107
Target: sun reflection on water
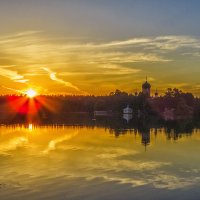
pixel 30 127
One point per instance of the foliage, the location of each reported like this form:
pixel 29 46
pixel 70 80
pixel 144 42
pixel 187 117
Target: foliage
pixel 184 104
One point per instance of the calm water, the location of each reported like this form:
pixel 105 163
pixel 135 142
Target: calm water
pixel 50 162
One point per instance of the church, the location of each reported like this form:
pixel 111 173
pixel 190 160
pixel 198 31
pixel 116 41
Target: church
pixel 146 88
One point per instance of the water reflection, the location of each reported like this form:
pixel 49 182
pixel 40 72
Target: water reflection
pixel 173 130
pixel 127 117
pixel 100 162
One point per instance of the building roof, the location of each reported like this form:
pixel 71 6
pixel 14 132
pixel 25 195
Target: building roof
pixel 146 85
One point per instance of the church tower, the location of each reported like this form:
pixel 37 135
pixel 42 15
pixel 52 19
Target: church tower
pixel 146 88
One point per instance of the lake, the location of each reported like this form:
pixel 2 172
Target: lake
pixel 98 162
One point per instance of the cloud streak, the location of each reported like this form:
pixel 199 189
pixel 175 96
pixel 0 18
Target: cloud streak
pixel 12 89
pixel 29 51
pixel 125 57
pixel 168 42
pixel 53 77
pixel 12 75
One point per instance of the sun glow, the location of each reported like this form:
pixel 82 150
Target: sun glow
pixel 31 93
pixel 30 127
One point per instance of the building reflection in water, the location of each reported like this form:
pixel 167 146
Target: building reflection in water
pixel 116 125
pixel 145 137
pixel 127 117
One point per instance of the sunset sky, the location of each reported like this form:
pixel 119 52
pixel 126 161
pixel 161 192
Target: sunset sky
pixel 96 46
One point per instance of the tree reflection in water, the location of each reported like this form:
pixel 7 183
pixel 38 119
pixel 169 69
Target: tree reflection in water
pixel 118 125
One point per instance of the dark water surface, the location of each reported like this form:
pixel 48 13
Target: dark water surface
pixel 73 162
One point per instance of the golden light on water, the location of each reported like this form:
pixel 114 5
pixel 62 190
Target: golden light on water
pixel 30 127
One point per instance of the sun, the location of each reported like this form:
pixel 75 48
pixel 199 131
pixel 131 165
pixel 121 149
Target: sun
pixel 31 93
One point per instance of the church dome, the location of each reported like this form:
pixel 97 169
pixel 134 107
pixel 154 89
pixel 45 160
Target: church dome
pixel 146 85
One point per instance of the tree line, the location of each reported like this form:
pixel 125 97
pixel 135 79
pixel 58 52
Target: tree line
pixel 182 104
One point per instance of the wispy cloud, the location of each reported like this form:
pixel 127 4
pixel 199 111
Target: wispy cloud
pixel 133 41
pixel 105 69
pixel 12 75
pixel 18 37
pixel 174 42
pixel 12 89
pixel 195 54
pixel 29 51
pixel 53 77
pixel 117 69
pixel 169 42
pixel 125 57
